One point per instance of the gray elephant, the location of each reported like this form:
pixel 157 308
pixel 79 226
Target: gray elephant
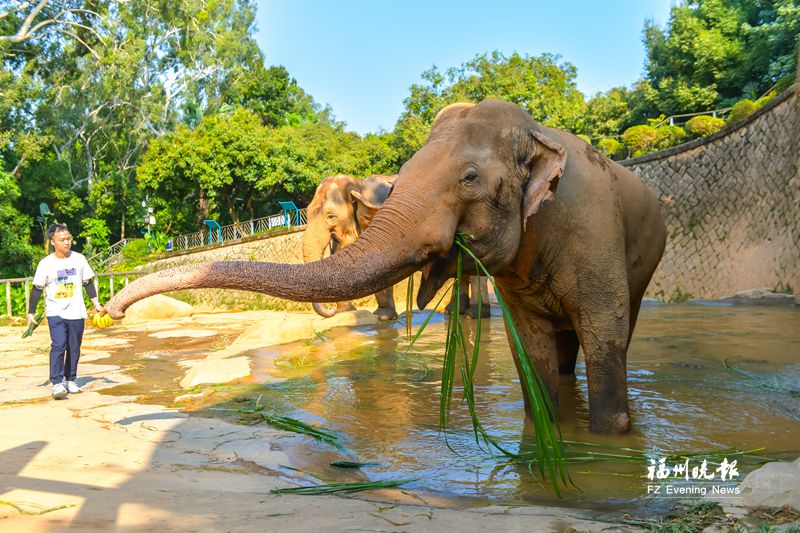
pixel 571 237
pixel 341 209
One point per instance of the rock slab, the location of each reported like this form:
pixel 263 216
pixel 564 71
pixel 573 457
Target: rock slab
pixel 155 308
pixel 773 485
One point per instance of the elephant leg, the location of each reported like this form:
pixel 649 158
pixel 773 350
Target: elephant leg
pixel 636 303
pixel 539 338
pixel 567 346
pixel 478 286
pixel 463 302
pixel 603 334
pixel 386 309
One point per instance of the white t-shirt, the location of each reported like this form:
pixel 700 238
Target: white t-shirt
pixel 62 280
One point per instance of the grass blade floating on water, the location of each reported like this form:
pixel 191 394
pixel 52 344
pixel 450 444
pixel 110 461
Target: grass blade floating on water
pixel 352 464
pixel 289 424
pixel 339 488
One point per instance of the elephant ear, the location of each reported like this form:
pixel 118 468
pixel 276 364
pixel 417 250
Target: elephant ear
pixel 360 197
pixel 545 160
pixel 373 191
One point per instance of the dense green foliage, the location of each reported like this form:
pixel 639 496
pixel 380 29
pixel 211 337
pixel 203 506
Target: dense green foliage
pixel 667 136
pixel 611 148
pixel 170 105
pixel 715 52
pixel 742 109
pixel 639 139
pixel 16 254
pixel 232 167
pixel 541 85
pixel 704 125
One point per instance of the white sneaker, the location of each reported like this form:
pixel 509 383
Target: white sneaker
pixel 59 391
pixel 73 388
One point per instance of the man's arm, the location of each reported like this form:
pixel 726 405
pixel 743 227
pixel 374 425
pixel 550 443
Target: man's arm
pixel 36 293
pixel 92 293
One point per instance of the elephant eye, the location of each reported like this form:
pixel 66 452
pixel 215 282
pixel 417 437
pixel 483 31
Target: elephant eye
pixel 471 176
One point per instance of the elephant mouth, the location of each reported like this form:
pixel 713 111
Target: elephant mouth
pixel 434 276
pixel 437 271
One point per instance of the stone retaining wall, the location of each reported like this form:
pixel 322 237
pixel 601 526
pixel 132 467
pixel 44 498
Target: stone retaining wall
pixel 731 202
pixel 283 248
pixel 286 247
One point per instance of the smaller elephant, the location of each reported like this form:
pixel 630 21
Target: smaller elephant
pixel 341 209
pixel 468 303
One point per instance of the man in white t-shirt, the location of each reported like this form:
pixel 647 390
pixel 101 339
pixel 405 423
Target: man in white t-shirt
pixel 63 275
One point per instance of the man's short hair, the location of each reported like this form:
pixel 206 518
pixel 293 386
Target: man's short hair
pixel 55 228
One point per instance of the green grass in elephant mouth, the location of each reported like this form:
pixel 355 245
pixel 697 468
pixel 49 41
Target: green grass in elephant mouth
pixel 439 269
pixel 549 453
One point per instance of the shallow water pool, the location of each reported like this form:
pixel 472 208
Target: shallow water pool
pixel 701 378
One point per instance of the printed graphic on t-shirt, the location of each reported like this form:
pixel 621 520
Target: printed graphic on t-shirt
pixel 65 283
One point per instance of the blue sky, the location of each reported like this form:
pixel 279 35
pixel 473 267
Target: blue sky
pixel 362 56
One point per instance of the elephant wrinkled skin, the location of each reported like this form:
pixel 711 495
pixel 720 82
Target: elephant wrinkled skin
pixel 571 237
pixel 341 209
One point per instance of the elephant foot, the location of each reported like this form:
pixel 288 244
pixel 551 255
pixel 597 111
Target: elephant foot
pixel 385 313
pixel 485 311
pixel 449 309
pixel 610 424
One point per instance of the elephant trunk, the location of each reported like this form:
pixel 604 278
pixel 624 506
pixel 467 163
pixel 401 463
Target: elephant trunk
pixel 316 239
pixel 323 310
pixel 386 254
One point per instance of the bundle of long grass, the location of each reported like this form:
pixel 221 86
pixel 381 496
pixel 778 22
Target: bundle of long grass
pixel 549 451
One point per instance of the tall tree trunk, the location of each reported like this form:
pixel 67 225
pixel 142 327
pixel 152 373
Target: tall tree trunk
pixel 202 208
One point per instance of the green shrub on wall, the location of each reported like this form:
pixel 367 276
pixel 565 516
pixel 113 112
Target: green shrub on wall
pixel 742 109
pixel 584 138
pixel 134 254
pixel 639 139
pixel 611 148
pixel 667 136
pixel 704 125
pixel 761 102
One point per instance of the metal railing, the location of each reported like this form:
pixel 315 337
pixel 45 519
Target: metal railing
pixel 110 255
pixel 234 232
pixel 672 118
pixel 27 283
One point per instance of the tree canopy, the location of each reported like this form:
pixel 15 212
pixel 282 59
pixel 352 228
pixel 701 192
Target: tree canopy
pixel 715 52
pixel 542 85
pixel 105 105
